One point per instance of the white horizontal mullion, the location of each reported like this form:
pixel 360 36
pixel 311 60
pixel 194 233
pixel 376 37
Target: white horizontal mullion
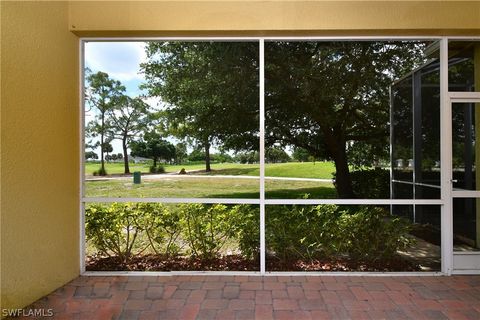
pixel 355 201
pixel 464 96
pixel 465 194
pixel 277 201
pixel 171 200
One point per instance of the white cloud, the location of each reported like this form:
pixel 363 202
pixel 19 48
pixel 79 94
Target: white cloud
pixel 121 60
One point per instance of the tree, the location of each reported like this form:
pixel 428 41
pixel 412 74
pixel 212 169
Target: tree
pixel 106 149
pixel 129 117
pixel 276 155
pixel 90 155
pixel 320 96
pixel 323 95
pixel 100 96
pixel 154 147
pixel 202 85
pixel 180 153
pixel 300 154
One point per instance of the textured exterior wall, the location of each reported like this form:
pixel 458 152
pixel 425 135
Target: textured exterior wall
pixel 275 17
pixel 39 164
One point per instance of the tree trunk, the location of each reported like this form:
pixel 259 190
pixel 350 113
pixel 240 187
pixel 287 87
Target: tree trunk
pixel 343 181
pixel 102 158
pixel 207 157
pixel 154 162
pixel 336 145
pixel 125 155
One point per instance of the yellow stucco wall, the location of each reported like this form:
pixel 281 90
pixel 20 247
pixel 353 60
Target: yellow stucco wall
pixel 39 100
pixel 39 164
pixel 275 17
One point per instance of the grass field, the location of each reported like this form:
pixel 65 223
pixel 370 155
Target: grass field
pixel 209 187
pixel 319 170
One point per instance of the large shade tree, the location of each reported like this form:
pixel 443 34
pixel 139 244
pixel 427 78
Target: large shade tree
pixel 320 96
pixel 210 91
pixel 324 96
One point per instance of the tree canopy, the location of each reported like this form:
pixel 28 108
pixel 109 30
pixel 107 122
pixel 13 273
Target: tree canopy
pixel 328 94
pixel 128 118
pixel 324 97
pixel 210 91
pixel 154 147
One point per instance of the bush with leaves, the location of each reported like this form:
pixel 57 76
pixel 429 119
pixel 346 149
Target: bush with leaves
pixel 100 172
pixel 114 229
pixel 207 228
pixel 370 183
pixel 313 232
pixel 162 227
pixel 248 230
pixel 157 169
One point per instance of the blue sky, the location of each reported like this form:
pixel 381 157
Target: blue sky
pixel 121 60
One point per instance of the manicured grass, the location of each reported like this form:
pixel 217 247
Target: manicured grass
pixel 319 170
pixel 208 187
pixel 114 168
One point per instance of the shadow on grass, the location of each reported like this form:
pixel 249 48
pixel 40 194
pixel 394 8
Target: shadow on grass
pixel 231 172
pixel 313 193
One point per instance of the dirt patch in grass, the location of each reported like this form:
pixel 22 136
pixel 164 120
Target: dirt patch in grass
pixel 239 263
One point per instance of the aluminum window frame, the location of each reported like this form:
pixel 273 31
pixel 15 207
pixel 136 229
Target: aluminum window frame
pixel 445 200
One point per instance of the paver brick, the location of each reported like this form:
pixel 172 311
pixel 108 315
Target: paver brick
pixel 241 304
pixel 263 312
pixel 189 312
pixel 283 297
pixel 215 304
pixel 263 297
pixel 285 304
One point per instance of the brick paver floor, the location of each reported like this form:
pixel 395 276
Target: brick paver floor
pixel 270 297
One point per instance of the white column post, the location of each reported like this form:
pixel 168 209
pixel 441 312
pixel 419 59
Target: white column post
pixel 446 162
pixel 262 155
pixel 81 124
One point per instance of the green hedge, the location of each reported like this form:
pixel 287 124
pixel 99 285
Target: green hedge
pixel 364 233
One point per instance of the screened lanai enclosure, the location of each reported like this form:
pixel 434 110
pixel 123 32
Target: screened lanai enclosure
pixel 281 155
pixel 416 143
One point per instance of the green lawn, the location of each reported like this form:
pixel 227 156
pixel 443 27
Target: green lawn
pixel 209 187
pixel 321 170
pixel 213 186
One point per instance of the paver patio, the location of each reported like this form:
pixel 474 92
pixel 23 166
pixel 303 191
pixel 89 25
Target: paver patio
pixel 269 297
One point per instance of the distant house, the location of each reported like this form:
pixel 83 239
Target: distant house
pixel 140 159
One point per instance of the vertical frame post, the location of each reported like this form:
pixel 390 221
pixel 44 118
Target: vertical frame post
pixel 262 154
pixel 446 163
pixel 391 145
pixel 417 142
pixel 81 153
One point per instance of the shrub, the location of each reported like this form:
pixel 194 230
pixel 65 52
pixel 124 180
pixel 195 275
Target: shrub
pixel 301 232
pixel 312 232
pixel 370 183
pixel 158 169
pixel 114 229
pixel 248 229
pixel 207 228
pixel 162 228
pixel 372 234
pixel 100 172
